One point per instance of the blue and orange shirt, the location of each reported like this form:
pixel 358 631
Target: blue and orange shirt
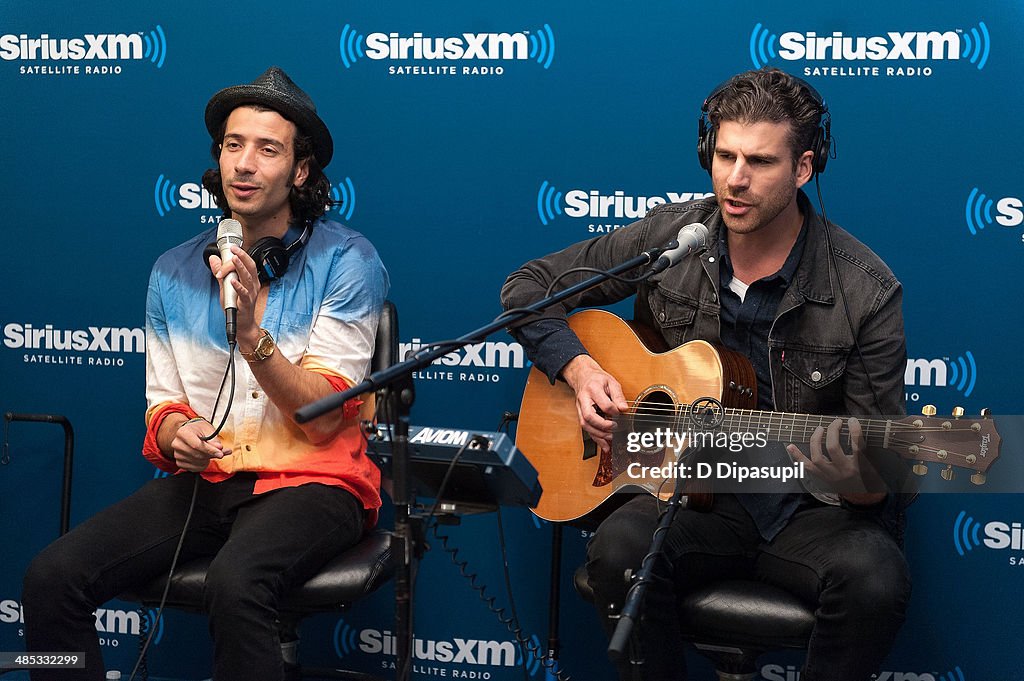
pixel 323 315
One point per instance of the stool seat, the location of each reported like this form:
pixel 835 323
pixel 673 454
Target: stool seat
pixel 747 614
pixel 343 580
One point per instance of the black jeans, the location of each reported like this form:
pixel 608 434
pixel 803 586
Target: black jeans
pixel 841 562
pixel 264 544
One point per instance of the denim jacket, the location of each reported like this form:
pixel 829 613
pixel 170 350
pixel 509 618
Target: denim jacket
pixel 815 367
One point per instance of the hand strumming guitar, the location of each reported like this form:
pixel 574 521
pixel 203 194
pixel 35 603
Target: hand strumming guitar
pixel 598 395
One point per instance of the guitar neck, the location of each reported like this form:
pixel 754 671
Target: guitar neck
pixel 780 426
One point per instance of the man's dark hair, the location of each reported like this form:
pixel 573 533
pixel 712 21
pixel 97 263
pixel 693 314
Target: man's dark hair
pixel 769 95
pixel 307 202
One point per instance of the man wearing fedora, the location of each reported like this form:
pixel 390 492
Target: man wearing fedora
pixel 270 499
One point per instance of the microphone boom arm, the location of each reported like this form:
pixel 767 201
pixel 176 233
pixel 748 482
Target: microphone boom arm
pixel 386 377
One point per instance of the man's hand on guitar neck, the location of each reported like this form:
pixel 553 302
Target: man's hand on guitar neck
pixel 850 474
pixel 598 395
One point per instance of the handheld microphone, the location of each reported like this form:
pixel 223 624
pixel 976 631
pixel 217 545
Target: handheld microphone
pixel 691 238
pixel 229 232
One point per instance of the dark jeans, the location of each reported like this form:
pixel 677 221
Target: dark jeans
pixel 264 544
pixel 841 562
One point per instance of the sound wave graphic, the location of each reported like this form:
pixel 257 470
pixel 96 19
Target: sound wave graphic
pixel 542 46
pixel 978 211
pixel 155 46
pixel 534 664
pixel 978 44
pixel 965 533
pixel 549 203
pixel 163 195
pixel 954 675
pixel 344 195
pixel 762 45
pixel 963 373
pixel 152 622
pixel 351 46
pixel 344 639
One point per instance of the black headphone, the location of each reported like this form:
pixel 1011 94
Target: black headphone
pixel 821 148
pixel 269 253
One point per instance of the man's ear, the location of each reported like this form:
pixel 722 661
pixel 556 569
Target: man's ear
pixel 804 168
pixel 301 173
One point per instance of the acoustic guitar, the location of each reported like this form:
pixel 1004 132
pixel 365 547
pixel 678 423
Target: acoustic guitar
pixel 692 387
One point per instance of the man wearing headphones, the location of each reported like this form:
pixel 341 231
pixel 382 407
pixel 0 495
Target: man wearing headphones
pixel 819 316
pixel 273 500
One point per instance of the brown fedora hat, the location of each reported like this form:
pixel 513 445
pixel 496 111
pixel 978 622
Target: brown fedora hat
pixel 274 90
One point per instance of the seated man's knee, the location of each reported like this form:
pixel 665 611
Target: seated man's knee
pixel 229 587
pixel 874 579
pixel 51 571
pixel 619 546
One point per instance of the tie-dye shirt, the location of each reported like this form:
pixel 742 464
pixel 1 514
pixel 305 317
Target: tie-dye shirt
pixel 323 315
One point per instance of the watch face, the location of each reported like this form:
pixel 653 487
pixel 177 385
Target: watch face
pixel 265 348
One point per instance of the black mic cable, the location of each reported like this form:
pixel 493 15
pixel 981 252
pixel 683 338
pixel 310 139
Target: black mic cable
pixel 228 371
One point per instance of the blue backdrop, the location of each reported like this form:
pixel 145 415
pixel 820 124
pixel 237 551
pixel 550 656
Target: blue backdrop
pixel 460 168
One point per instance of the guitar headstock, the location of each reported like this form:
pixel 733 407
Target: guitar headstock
pixel 954 441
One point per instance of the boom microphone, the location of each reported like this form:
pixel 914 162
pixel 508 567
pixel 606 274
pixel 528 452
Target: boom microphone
pixel 229 232
pixel 691 238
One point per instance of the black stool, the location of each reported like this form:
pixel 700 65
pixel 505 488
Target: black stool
pixel 347 578
pixel 733 622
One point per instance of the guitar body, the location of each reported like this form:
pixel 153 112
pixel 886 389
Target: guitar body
pixel 575 478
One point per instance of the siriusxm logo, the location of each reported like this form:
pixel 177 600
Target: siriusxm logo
pixel 978 211
pixel 536 46
pixel 475 363
pixel 191 195
pixel 775 672
pixel 488 354
pixel 94 339
pixel 960 373
pixel 124 622
pixel 344 195
pixel 348 640
pixel 592 203
pixel 892 46
pixel 142 46
pixel 998 535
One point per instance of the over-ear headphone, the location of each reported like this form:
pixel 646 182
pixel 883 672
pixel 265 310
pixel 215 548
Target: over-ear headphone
pixel 269 253
pixel 821 148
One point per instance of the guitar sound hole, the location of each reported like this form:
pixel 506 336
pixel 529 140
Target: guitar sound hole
pixel 654 412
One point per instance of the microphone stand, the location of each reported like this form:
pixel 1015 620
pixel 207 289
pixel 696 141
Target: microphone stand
pixel 403 399
pixel 623 634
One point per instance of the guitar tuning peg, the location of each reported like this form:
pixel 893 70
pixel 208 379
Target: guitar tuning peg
pixel 947 473
pixel 919 468
pixel 958 412
pixel 929 410
pixel 978 478
pixel 986 413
